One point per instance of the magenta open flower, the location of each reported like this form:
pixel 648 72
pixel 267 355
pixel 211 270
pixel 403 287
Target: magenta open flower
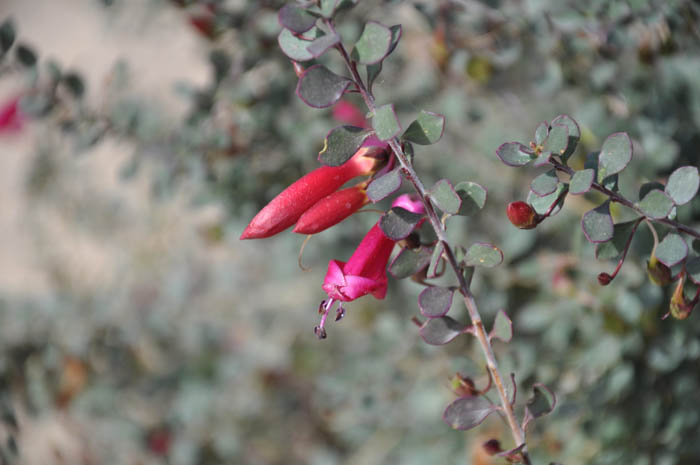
pixel 365 272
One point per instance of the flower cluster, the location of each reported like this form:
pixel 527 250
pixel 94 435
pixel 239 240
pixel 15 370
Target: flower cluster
pixel 316 202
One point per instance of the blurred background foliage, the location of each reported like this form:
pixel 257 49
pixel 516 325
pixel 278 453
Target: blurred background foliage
pixel 136 329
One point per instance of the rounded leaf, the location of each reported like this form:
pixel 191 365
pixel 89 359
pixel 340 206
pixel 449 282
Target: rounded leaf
pixel 581 181
pixel 656 204
pixel 385 122
pixel 542 204
pixel 398 223
pixel 574 133
pixel 683 184
pixel 373 45
pixel 295 19
pixel 541 132
pixel 341 143
pixel 557 140
pixel 541 403
pixel 467 412
pixel 409 262
pixel 384 186
pixel 615 247
pixel 483 254
pixel 615 154
pixel 597 224
pixel 502 327
pixel 320 45
pixel 514 154
pixel 648 187
pixel 440 331
pixel 320 87
pixel 445 197
pixel 545 183
pixel 672 250
pixel 435 301
pixel 294 47
pixel 426 129
pixel 473 197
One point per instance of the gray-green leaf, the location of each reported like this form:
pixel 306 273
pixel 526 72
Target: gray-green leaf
pixel 672 250
pixel 385 185
pixel 373 45
pixel 468 412
pixel 341 144
pixel 473 197
pixel 440 331
pixel 581 181
pixel 409 262
pixel 426 129
pixel 597 224
pixel 385 122
pixel 398 223
pixel 514 154
pixel 615 154
pixel 435 301
pixel 445 197
pixel 545 183
pixel 683 184
pixel 483 254
pixel 320 87
pixel 656 204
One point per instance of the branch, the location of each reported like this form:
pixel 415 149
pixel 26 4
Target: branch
pixel 474 315
pixel 615 197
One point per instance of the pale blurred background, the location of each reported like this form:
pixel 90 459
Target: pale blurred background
pixel 135 328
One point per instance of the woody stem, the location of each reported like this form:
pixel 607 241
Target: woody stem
pixel 484 341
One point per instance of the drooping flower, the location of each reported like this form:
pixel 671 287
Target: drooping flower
pixel 365 272
pixel 285 209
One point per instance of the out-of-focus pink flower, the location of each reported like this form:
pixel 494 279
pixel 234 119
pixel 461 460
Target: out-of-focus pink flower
pixel 348 113
pixel 11 118
pixel 285 209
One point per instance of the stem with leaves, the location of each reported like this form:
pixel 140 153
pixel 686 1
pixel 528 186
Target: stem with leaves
pixel 439 228
pixel 618 198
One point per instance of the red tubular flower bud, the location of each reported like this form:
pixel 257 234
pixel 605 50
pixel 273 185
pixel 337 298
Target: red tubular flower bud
pixel 332 209
pixel 522 215
pixel 285 209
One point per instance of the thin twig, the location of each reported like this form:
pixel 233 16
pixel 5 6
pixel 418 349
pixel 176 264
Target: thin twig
pixel 615 197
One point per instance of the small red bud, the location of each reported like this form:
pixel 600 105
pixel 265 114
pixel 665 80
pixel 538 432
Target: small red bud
pixel 604 279
pixel 522 215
